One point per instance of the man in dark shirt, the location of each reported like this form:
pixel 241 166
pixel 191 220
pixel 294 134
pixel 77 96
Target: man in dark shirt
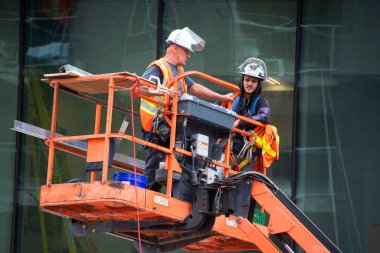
pixel 250 104
pixel 180 43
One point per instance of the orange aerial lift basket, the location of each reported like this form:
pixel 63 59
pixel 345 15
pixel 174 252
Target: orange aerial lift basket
pixel 205 205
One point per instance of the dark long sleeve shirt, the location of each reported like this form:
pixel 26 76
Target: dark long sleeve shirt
pixel 261 114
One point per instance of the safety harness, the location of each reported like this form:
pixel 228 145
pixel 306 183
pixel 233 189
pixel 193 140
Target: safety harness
pixel 251 110
pixel 263 143
pixel 148 110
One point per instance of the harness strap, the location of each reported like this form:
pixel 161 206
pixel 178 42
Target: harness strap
pixel 252 109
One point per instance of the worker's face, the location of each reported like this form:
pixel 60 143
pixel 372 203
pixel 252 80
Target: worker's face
pixel 250 84
pixel 183 54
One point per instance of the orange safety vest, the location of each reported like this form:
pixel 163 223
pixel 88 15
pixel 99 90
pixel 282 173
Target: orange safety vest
pixel 268 141
pixel 148 110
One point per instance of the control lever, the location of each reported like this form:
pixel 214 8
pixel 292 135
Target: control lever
pixel 160 87
pixel 193 172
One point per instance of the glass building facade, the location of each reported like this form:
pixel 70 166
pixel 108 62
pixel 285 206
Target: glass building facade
pixel 326 104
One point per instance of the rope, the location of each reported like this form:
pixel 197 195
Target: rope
pixel 133 95
pixel 246 151
pixel 134 162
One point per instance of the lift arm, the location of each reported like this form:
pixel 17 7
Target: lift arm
pixel 166 222
pixel 284 218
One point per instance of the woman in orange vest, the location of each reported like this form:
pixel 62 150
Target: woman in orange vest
pixel 180 43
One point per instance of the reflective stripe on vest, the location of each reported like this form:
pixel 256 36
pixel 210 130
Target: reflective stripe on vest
pixel 269 141
pixel 148 109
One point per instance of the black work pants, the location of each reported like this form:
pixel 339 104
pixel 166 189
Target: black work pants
pixel 152 163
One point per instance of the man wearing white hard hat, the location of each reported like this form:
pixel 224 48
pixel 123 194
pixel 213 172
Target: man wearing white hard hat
pixel 253 71
pixel 180 43
pixel 250 104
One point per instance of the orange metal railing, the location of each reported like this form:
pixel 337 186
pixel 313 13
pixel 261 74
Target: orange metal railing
pixel 102 141
pixel 282 220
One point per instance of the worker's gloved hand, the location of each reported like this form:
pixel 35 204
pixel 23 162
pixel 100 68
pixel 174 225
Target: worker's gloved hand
pixel 172 92
pixel 227 97
pixel 236 123
pixel 161 90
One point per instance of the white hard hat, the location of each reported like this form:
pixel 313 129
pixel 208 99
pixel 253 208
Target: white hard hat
pixel 186 38
pixel 253 67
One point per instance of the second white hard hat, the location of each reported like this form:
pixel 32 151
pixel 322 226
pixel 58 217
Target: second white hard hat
pixel 186 38
pixel 253 67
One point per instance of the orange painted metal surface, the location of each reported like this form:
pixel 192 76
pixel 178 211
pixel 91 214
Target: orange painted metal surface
pixel 220 242
pixel 236 234
pixel 95 149
pixel 52 134
pixel 111 90
pixel 283 221
pixel 251 121
pixel 208 78
pixel 98 114
pixel 110 200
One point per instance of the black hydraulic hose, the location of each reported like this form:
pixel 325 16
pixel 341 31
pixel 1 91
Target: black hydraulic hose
pixel 238 178
pixel 253 175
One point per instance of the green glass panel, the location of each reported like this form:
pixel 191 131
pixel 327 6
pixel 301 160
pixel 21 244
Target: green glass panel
pixel 339 118
pixel 9 80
